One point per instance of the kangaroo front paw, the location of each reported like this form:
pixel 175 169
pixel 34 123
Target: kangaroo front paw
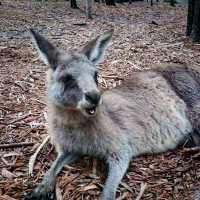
pixel 42 192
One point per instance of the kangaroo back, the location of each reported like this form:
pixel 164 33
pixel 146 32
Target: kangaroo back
pixel 185 81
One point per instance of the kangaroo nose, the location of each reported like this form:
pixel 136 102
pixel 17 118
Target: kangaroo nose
pixel 93 97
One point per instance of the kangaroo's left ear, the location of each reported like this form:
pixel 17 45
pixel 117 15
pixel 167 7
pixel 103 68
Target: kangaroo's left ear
pixel 95 49
pixel 48 53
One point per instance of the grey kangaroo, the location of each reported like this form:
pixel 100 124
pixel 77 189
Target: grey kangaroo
pixel 153 112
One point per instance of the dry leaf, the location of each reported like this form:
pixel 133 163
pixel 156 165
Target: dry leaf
pixel 88 187
pixel 142 189
pixel 7 174
pixel 6 197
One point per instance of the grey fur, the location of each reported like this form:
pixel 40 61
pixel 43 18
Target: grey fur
pixel 144 115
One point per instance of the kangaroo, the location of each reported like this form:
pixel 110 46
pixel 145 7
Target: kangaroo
pixel 154 111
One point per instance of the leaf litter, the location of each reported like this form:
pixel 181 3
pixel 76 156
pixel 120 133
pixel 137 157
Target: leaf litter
pixel 144 37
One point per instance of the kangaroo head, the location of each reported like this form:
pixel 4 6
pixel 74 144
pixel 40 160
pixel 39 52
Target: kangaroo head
pixel 74 83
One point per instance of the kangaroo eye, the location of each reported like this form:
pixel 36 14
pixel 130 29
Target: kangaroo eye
pixel 69 81
pixel 96 77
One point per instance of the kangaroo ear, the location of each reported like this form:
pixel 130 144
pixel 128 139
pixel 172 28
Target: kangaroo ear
pixel 48 53
pixel 95 49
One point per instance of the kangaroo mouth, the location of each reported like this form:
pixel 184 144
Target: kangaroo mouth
pixel 91 110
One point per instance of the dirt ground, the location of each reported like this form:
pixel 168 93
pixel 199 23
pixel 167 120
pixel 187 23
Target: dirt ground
pixel 144 37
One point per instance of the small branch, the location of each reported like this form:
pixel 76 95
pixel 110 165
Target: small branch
pixel 112 77
pixel 142 189
pixel 15 145
pixel 34 156
pixel 6 197
pixel 19 119
pixel 17 83
pixel 80 24
pixel 192 149
pixel 169 45
pixel 41 102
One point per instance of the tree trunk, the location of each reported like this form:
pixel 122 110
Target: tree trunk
pixel 193 20
pixel 172 2
pixel 190 17
pixel 195 34
pixel 120 1
pixel 151 2
pixel 110 2
pixel 88 9
pixel 73 4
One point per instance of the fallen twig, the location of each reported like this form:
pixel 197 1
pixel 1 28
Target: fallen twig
pixel 6 197
pixel 39 101
pixel 142 189
pixel 191 149
pixel 168 45
pixel 80 24
pixel 15 145
pixel 34 156
pixel 112 77
pixel 19 119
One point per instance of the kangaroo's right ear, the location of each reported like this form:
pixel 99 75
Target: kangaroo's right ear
pixel 95 49
pixel 48 53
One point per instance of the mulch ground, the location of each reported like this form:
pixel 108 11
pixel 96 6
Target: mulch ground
pixel 144 37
